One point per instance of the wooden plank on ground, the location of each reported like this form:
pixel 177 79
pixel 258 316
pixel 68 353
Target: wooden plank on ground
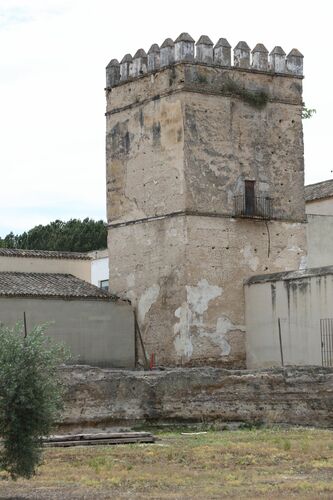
pixel 99 439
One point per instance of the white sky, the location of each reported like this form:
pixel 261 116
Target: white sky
pixel 52 76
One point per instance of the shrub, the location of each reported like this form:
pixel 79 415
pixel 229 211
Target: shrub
pixel 30 396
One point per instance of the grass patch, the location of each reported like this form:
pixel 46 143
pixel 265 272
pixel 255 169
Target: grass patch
pixel 265 463
pixel 256 99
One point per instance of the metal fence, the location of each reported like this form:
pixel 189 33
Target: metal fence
pixel 326 334
pixel 254 207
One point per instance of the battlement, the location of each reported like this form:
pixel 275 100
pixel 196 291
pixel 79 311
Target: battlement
pixel 184 49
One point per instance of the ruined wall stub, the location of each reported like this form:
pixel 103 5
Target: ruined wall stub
pixel 181 141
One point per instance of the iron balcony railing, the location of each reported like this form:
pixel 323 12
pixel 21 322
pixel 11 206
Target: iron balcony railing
pixel 258 207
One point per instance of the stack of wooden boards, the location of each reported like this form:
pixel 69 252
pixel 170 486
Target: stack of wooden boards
pixel 106 438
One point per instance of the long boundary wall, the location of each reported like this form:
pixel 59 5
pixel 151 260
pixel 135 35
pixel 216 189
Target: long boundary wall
pixel 104 398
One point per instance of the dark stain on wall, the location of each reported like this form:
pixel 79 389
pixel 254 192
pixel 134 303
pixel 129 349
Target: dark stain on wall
pixel 141 118
pixel 120 139
pixel 273 295
pixel 156 133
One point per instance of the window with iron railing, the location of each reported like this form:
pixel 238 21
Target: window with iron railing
pixel 249 206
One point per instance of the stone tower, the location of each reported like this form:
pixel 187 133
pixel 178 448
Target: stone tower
pixel 204 163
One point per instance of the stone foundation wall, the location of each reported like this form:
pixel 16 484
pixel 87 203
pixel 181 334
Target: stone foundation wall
pixel 103 398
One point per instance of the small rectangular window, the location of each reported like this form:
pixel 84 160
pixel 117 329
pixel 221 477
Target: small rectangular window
pixel 104 284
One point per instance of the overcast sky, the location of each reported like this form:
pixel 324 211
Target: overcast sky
pixel 52 76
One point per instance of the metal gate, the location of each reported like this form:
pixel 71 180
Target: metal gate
pixel 326 334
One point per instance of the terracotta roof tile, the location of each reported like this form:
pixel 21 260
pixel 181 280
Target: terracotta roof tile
pixel 319 190
pixel 49 285
pixel 42 254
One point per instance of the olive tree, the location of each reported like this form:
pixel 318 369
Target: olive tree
pixel 30 396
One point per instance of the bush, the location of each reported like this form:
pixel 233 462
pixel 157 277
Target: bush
pixel 30 396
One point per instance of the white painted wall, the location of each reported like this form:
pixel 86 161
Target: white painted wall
pixel 99 266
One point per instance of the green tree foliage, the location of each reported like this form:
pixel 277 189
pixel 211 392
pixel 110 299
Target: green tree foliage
pixel 72 236
pixel 30 396
pixel 307 112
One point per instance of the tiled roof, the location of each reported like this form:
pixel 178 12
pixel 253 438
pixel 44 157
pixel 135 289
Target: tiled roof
pixel 49 285
pixel 319 190
pixel 42 254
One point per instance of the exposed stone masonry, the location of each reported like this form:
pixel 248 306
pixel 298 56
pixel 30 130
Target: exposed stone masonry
pixel 105 398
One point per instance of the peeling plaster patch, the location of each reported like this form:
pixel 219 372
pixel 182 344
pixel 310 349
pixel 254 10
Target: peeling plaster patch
pixel 172 232
pixel 199 296
pixel 130 295
pixel 191 314
pixel 294 225
pixel 223 326
pixel 250 258
pixel 183 341
pixel 294 248
pixel 147 299
pixel 303 264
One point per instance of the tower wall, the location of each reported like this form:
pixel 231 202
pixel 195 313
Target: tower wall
pixel 181 142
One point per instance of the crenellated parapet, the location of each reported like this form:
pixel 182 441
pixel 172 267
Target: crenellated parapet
pixel 184 49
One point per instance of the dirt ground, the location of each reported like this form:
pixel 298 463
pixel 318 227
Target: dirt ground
pixel 260 463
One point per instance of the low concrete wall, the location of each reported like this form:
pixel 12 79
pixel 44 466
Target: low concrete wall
pixel 300 299
pixel 105 398
pixel 98 332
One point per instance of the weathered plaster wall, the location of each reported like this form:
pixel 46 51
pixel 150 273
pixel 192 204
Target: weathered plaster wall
pixel 223 252
pixel 180 144
pixel 185 277
pixel 148 266
pixel 226 142
pixel 300 299
pixel 78 267
pixel 98 332
pixel 105 398
pixel 144 148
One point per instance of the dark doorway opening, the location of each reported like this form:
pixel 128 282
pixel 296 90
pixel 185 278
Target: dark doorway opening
pixel 250 201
